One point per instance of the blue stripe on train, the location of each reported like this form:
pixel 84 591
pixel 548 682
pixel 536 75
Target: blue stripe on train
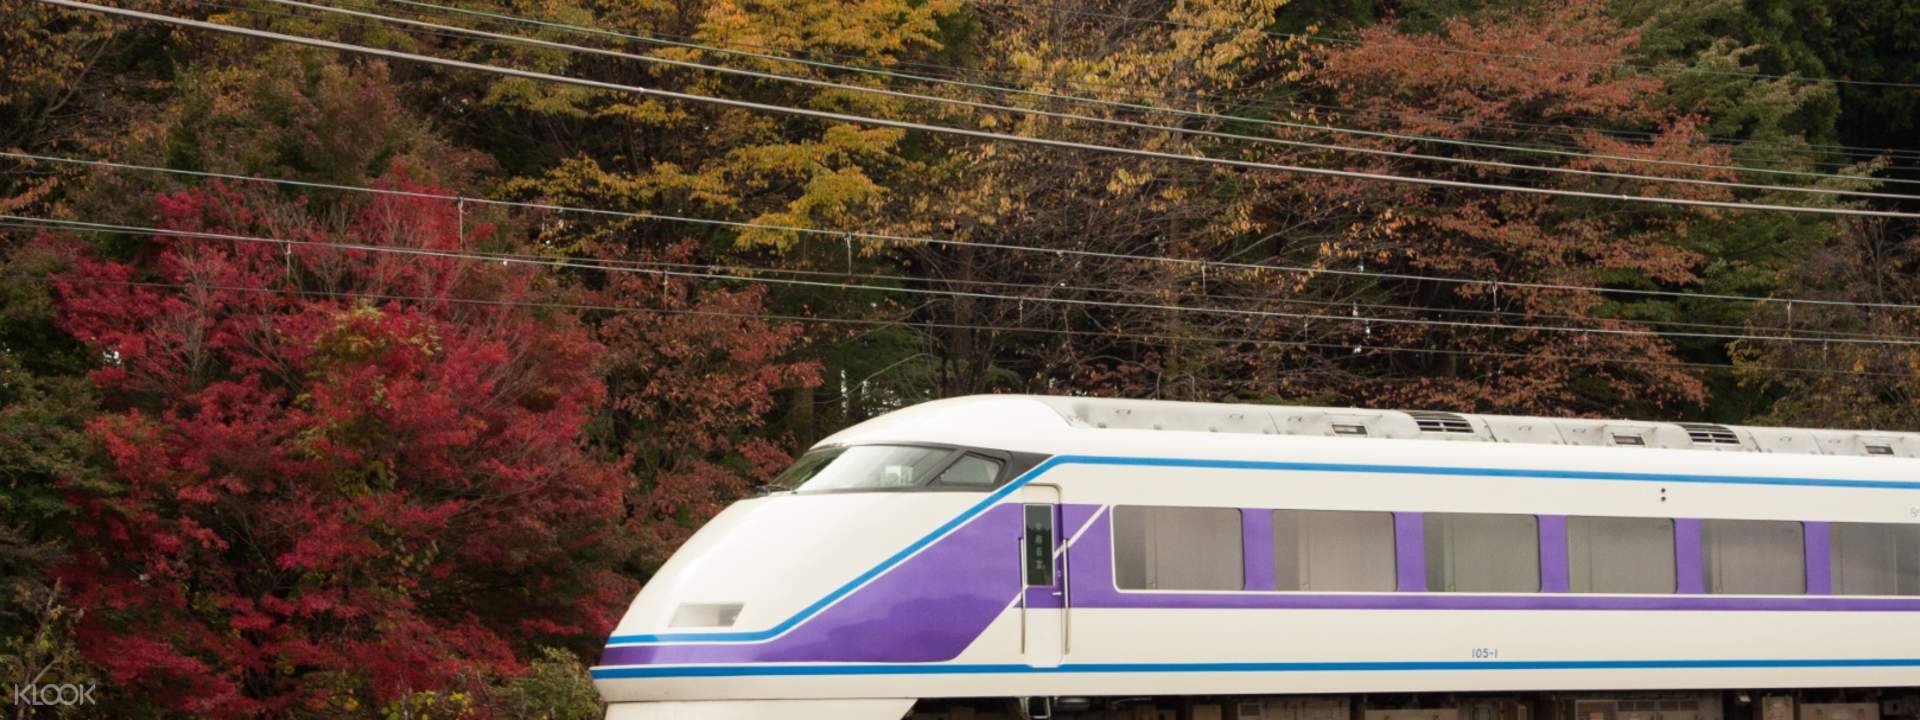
pixel 614 673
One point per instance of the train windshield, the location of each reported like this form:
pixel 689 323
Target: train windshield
pixel 862 467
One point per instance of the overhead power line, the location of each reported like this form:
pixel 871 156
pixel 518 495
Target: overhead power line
pixel 596 264
pixel 964 132
pixel 958 76
pixel 932 325
pixel 454 201
pixel 1362 348
pixel 883 72
pixel 976 105
pixel 767 53
pixel 911 240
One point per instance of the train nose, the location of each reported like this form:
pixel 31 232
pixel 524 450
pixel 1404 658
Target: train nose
pixel 766 564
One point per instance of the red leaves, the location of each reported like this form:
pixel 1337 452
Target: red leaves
pixel 323 496
pixel 688 389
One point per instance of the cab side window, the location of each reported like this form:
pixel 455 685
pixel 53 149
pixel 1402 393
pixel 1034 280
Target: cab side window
pixel 971 471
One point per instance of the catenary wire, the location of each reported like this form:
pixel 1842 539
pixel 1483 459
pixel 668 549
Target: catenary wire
pixel 1807 333
pixel 963 132
pixel 977 105
pixel 1271 104
pixel 594 264
pixel 1803 333
pixel 908 240
pixel 682 41
pixel 665 38
pixel 1150 108
pixel 934 325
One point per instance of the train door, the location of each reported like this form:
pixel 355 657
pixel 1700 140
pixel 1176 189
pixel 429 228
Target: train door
pixel 1043 577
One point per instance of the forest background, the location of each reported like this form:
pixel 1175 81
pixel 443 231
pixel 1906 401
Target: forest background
pixel 399 432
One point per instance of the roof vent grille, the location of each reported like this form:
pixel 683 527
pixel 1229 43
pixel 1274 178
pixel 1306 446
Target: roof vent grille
pixel 1440 422
pixel 1704 434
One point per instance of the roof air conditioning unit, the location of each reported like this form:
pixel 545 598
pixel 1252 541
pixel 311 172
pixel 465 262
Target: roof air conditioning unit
pixel 1706 434
pixel 1441 422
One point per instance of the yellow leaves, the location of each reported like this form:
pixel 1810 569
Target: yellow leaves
pixel 539 97
pixel 1008 205
pixel 1236 219
pixel 1124 182
pixel 840 188
pixel 649 112
pixel 430 705
pixel 866 29
pixel 831 199
pixel 345 341
pixel 857 140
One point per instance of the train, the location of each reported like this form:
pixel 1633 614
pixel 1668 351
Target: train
pixel 1009 556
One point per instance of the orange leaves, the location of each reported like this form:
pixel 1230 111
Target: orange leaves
pixel 1505 79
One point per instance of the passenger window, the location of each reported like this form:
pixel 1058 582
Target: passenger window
pixel 1621 555
pixel 1472 552
pixel 1177 548
pixel 971 471
pixel 1333 550
pixel 1753 557
pixel 1875 559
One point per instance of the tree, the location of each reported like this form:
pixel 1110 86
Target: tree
pixel 621 151
pixel 692 376
pixel 1087 321
pixel 45 403
pixel 338 476
pixel 1459 84
pixel 1870 266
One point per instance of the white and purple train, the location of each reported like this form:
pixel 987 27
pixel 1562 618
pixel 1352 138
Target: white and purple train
pixel 1107 558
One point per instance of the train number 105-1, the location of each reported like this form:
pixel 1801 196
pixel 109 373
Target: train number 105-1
pixel 1484 653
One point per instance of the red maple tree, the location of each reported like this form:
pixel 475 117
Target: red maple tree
pixel 342 475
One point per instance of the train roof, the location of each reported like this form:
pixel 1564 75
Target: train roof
pixel 1350 423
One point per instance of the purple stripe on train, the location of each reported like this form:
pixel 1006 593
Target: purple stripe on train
pixel 1555 577
pixel 1687 561
pixel 926 609
pixel 936 603
pixel 1410 555
pixel 1256 549
pixel 1819 558
pixel 1093 588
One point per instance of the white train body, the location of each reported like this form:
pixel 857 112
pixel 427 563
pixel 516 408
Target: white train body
pixel 855 604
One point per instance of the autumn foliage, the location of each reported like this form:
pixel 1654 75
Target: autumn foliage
pixel 341 476
pixel 313 451
pixel 1439 85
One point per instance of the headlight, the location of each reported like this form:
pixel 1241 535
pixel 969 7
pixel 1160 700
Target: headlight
pixel 705 615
